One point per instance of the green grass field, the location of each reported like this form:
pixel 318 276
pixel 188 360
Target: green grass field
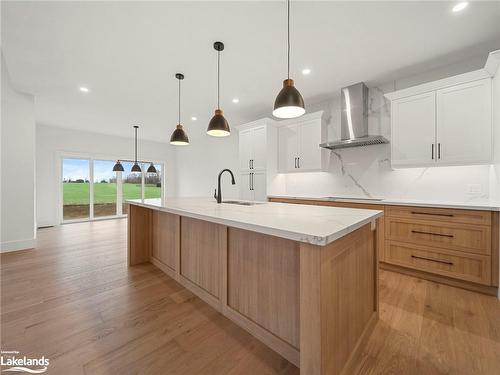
pixel 75 193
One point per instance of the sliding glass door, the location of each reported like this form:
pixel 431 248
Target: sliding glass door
pixel 104 188
pixel 91 190
pixel 76 189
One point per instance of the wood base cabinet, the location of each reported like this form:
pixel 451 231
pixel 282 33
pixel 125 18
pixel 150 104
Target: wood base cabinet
pixel 314 305
pixel 458 247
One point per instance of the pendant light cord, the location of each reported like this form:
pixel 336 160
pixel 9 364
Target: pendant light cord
pixel 288 37
pixel 135 127
pixel 218 79
pixel 179 102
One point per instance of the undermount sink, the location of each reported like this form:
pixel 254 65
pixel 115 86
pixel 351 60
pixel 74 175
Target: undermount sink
pixel 354 199
pixel 241 203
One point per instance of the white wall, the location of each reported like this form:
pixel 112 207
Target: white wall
pixel 199 164
pixel 17 168
pixel 52 141
pixel 366 171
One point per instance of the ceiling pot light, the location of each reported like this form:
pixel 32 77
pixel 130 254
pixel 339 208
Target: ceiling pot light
pixel 218 126
pixel 460 6
pixel 194 118
pixel 236 100
pixel 289 103
pixel 179 136
pixel 306 71
pixel 84 89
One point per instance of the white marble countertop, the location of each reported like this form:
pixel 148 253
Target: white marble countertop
pixel 486 205
pixel 316 225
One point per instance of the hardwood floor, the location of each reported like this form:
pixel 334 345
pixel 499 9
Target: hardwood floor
pixel 75 301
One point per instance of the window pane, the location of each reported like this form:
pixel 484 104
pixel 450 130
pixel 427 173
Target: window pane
pixel 132 185
pixel 76 197
pixel 104 188
pixel 152 183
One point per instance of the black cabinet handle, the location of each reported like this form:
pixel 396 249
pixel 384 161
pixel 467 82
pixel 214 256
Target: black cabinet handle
pixel 298 162
pixel 432 151
pixel 428 213
pixel 251 163
pixel 433 234
pixel 433 260
pixel 252 182
pixel 295 162
pixel 439 150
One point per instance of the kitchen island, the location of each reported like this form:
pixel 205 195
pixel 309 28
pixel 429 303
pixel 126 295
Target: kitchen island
pixel 302 279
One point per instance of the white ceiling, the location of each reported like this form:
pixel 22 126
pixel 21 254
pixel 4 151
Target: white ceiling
pixel 128 52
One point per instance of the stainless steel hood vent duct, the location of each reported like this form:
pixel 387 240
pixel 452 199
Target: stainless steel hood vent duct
pixel 354 120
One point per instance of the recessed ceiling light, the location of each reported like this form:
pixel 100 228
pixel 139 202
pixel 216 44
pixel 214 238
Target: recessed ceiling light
pixel 236 100
pixel 194 118
pixel 460 6
pixel 306 71
pixel 84 89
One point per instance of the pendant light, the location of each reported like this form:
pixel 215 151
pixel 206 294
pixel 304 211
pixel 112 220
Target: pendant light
pixel 136 167
pixel 179 136
pixel 118 167
pixel 289 102
pixel 152 169
pixel 218 126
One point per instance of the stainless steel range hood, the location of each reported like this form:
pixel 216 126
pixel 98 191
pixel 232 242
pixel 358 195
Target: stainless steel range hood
pixel 354 120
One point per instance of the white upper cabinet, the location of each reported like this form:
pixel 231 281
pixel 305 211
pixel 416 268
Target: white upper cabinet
pixel 298 144
pixel 253 144
pixel 464 120
pixel 257 158
pixel 288 144
pixel 414 130
pixel 445 122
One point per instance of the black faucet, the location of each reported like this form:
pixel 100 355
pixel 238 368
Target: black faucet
pixel 218 193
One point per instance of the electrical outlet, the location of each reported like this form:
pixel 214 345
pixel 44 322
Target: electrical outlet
pixel 475 189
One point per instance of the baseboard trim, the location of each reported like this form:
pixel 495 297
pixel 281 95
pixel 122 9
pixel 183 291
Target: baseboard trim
pixel 8 246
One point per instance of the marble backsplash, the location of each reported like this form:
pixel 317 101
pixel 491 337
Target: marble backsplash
pixel 366 171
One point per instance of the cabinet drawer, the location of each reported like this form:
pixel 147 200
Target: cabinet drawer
pixel 440 214
pixel 475 268
pixel 462 237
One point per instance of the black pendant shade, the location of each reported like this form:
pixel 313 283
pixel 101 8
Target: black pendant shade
pixel 179 136
pixel 118 167
pixel 289 103
pixel 151 169
pixel 136 168
pixel 218 125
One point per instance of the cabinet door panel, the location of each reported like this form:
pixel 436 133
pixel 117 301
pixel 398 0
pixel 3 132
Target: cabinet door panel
pixel 309 150
pixel 245 140
pixel 165 238
pixel 464 129
pixel 414 130
pixel 259 186
pixel 287 148
pixel 259 148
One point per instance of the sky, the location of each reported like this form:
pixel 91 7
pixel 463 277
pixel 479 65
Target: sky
pixel 103 169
